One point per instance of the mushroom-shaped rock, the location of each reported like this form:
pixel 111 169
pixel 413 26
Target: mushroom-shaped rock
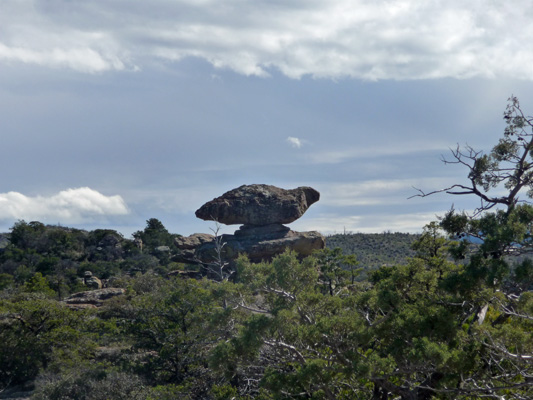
pixel 259 205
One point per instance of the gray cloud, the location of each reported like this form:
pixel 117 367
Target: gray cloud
pixel 364 39
pixel 171 136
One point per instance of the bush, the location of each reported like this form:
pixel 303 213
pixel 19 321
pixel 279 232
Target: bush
pixel 90 383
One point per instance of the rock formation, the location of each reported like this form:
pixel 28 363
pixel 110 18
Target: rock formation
pixel 262 210
pixel 92 298
pixel 259 205
pixel 91 281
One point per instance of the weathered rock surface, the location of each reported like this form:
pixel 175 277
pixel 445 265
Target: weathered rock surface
pixel 259 205
pixel 266 231
pixel 93 298
pixel 193 241
pixel 257 247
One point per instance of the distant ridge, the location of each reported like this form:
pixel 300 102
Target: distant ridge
pixel 373 250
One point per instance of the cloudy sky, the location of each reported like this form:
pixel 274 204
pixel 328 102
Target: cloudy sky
pixel 113 112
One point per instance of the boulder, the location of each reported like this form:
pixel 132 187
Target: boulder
pixel 162 249
pixel 259 205
pixel 93 297
pixel 258 243
pixel 264 248
pixel 271 231
pixel 92 281
pixel 193 241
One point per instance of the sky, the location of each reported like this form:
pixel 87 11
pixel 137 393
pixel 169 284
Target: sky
pixel 114 112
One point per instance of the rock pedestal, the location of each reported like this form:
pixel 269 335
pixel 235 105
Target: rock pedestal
pixel 262 210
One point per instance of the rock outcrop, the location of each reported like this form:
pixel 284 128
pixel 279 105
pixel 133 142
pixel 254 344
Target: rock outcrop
pixel 262 210
pixel 193 241
pixel 260 247
pixel 259 205
pixel 93 298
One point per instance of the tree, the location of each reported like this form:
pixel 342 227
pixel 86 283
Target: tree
pixel 36 332
pixel 173 328
pixel 336 268
pixel 502 180
pixel 498 180
pixel 154 234
pixel 408 334
pixel 26 235
pixel 38 284
pixel 153 239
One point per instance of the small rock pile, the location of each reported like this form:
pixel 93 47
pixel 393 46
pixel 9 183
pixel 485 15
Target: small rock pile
pixel 261 210
pixel 91 281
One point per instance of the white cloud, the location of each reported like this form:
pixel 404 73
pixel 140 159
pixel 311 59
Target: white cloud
pixel 366 192
pixel 367 223
pixel 295 142
pixel 376 192
pixel 364 39
pixel 366 150
pixel 79 59
pixel 68 206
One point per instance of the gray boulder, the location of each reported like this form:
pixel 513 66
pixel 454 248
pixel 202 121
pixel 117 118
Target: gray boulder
pixel 259 205
pixel 258 243
pixel 193 241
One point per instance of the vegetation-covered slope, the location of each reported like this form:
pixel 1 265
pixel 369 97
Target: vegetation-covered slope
pixel 374 250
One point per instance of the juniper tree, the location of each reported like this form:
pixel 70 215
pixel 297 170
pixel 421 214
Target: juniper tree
pixel 502 224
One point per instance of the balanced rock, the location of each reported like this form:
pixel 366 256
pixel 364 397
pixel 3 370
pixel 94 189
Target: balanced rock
pixel 261 210
pixel 259 205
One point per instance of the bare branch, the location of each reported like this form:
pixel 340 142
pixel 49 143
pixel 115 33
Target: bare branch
pixel 287 346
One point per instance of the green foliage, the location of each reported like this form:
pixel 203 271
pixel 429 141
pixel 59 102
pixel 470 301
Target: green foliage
pixel 6 280
pixel 403 336
pixel 153 237
pixel 91 383
pixel 374 250
pixel 336 268
pixel 35 333
pixel 62 255
pixel 172 325
pixel 39 284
